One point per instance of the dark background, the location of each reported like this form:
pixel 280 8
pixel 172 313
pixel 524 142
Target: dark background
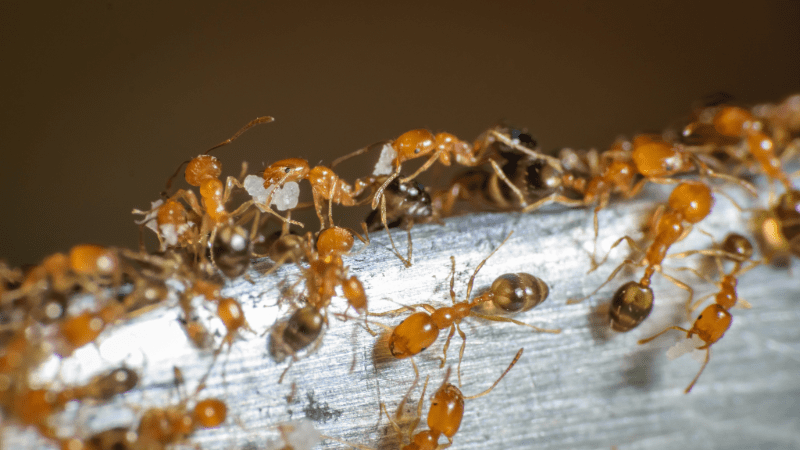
pixel 101 101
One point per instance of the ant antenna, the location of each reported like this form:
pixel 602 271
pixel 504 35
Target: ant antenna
pixel 251 124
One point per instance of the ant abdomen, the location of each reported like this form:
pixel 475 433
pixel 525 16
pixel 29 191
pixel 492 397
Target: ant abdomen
pixel 738 246
pixel 414 334
pixel 231 250
pixel 518 292
pixel 630 306
pixel 303 328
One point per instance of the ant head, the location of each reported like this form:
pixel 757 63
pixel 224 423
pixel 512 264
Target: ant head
pixel 285 170
pixel 202 168
pixel 413 144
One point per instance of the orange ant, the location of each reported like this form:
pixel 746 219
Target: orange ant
pixel 159 428
pixel 444 147
pixel 445 413
pixel 326 186
pixel 715 319
pixel 690 202
pixel 655 159
pixel 173 223
pixel 36 406
pixel 733 121
pixel 326 272
pixel 421 329
pixel 778 229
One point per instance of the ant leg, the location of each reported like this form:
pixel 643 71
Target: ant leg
pixel 742 303
pixel 552 198
pixel 645 341
pixel 627 262
pixel 423 167
pixel 330 200
pixel 551 161
pixel 516 322
pixel 190 198
pixel 514 361
pixel 379 192
pixel 514 189
pixel 447 344
pixel 318 208
pixel 627 239
pixel 406 262
pixel 474 274
pixel 460 352
pixel 242 208
pixel 596 223
pixel 291 363
pixel 681 285
pixel 705 170
pixel 702 368
pixel 452 279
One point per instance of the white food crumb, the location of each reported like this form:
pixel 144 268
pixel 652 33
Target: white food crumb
pixel 384 164
pixel 254 185
pixel 285 197
pixel 169 234
pixel 684 346
pixel 149 219
pixel 298 434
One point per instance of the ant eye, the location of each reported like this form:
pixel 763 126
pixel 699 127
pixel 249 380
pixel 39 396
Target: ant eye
pixel 287 170
pixel 417 150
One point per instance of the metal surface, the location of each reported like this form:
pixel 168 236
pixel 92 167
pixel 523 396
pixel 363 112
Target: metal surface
pixel 585 388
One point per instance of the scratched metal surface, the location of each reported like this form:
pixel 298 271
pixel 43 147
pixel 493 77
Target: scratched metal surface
pixel 584 388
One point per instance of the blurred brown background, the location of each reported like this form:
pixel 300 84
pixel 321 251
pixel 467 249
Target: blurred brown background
pixel 103 100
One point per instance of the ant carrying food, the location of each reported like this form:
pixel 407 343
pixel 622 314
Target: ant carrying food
pixel 175 226
pixel 716 319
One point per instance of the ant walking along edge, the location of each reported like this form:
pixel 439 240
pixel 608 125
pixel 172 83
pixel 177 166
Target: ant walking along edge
pixel 510 292
pixel 716 319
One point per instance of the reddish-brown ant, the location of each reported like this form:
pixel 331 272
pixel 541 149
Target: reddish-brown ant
pixel 421 329
pixel 326 186
pixel 690 202
pixel 175 226
pixel 445 413
pixel 715 319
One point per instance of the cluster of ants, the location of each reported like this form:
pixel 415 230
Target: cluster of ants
pixel 205 242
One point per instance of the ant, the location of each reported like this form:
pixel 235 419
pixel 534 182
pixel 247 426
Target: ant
pixel 421 329
pixel 715 319
pixel 403 204
pixel 514 178
pixel 326 186
pixel 690 202
pixel 778 229
pixel 736 122
pixel 625 169
pixel 444 147
pixel 174 225
pixel 445 413
pixel 36 406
